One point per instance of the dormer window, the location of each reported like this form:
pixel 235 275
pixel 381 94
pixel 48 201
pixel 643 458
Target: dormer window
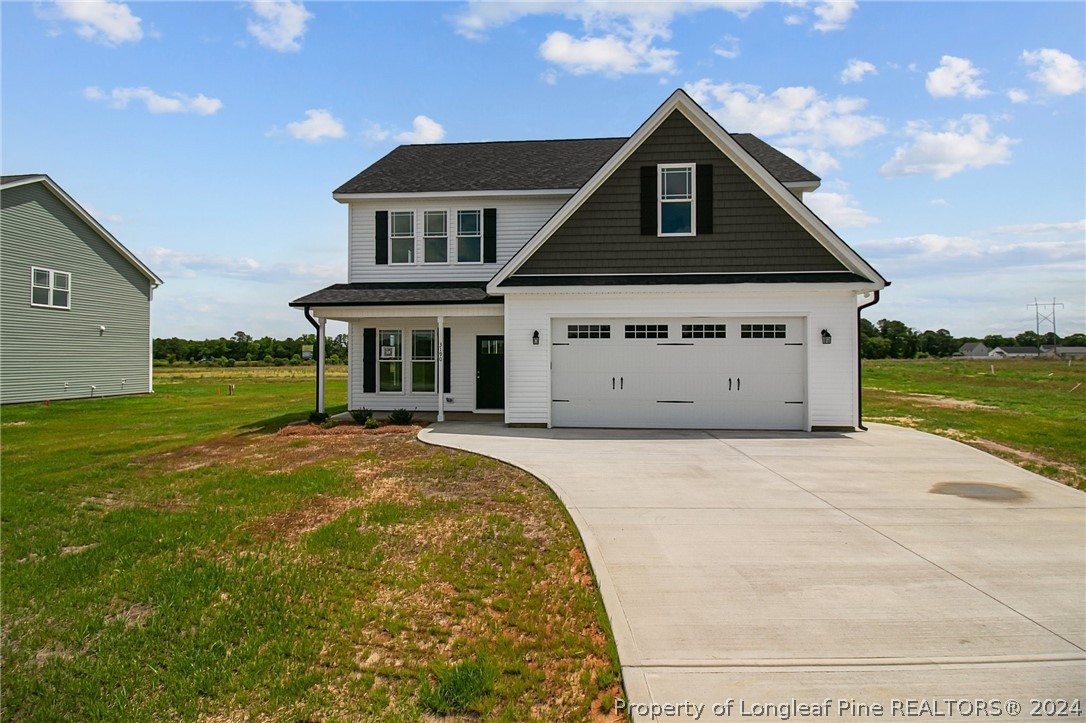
pixel 676 194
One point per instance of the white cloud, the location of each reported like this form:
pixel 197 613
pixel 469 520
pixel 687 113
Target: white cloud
pixel 183 264
pixel 100 21
pixel 375 133
pixel 819 162
pixel 1016 95
pixel 942 202
pixel 855 71
pixel 279 25
pixel 101 217
pixel 728 47
pixel 609 54
pixel 550 77
pixel 1031 229
pixel 318 125
pixel 955 76
pixel 793 19
pixel 963 144
pixel 155 103
pixel 839 210
pixel 426 130
pixel 1057 72
pixel 799 116
pixel 833 14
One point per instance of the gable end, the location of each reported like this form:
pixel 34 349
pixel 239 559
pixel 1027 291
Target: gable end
pixel 749 232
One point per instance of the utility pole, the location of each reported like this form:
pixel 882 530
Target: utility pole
pixel 1049 316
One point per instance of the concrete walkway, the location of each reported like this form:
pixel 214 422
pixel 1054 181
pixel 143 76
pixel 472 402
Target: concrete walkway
pixel 776 570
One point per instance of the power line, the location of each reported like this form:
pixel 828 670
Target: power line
pixel 1049 316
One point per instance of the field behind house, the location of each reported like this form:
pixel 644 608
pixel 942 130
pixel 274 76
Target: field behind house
pixel 176 556
pixel 1029 411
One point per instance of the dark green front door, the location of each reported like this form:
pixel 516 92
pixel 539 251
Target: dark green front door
pixel 490 372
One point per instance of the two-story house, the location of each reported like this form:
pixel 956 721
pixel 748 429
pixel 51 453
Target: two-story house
pixel 674 278
pixel 75 304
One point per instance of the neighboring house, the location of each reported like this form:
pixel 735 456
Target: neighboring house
pixel 670 279
pixel 1014 352
pixel 1064 352
pixel 76 304
pixel 973 350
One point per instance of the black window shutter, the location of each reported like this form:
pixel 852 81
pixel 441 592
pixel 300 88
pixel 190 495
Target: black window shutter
pixel 380 238
pixel 446 364
pixel 369 361
pixel 490 235
pixel 648 201
pixel 705 198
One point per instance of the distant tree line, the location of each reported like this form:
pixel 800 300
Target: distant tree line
pixel 244 349
pixel 891 339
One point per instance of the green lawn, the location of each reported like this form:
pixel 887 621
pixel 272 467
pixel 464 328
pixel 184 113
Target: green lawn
pixel 175 556
pixel 1031 412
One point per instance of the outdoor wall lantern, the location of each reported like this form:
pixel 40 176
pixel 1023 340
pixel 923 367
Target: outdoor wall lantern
pixel 535 337
pixel 101 331
pixel 826 338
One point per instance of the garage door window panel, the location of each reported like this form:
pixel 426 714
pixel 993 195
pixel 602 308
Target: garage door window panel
pixel 588 331
pixel 763 331
pixel 646 331
pixel 705 331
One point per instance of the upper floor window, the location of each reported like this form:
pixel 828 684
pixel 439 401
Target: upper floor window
pixel 402 237
pixel 435 237
pixel 50 288
pixel 469 237
pixel 676 199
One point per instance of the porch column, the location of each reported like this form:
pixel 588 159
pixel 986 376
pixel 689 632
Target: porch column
pixel 320 367
pixel 439 368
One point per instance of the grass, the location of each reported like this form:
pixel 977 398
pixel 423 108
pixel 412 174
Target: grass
pixel 1031 412
pixel 176 556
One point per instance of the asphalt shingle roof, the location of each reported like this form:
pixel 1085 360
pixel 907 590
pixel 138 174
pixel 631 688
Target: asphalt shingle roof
pixel 401 293
pixel 522 165
pixel 4 180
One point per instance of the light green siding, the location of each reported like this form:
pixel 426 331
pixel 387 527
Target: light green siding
pixel 42 350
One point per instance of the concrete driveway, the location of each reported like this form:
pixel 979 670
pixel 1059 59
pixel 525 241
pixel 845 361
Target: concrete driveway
pixel 762 572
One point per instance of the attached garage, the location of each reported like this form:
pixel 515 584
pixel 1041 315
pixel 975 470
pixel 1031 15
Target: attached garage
pixel 712 373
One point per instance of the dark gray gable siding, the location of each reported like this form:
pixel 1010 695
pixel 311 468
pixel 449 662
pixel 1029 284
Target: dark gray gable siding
pixel 44 348
pixel 751 232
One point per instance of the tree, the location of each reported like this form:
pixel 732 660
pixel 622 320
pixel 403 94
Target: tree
pixel 993 340
pixel 1028 338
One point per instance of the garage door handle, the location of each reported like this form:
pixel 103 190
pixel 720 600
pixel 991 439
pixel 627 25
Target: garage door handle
pixel 621 381
pixel 612 383
pixel 729 384
pixel 738 381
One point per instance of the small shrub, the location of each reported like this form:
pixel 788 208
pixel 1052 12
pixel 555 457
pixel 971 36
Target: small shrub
pixel 328 423
pixel 458 686
pixel 401 416
pixel 372 423
pixel 361 415
pixel 269 359
pixel 318 417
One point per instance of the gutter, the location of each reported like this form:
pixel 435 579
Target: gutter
pixel 859 364
pixel 317 328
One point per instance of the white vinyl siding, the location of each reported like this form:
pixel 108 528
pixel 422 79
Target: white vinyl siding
pixel 517 220
pixel 830 368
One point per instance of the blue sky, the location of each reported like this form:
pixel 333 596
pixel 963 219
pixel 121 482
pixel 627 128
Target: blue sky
pixel 208 136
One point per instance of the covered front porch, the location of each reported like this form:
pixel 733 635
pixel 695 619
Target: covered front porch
pixel 429 348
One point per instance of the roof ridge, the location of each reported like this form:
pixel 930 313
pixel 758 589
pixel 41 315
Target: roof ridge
pixel 521 140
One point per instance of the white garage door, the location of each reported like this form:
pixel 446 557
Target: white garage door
pixel 726 373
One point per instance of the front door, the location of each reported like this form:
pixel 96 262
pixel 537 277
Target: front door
pixel 490 372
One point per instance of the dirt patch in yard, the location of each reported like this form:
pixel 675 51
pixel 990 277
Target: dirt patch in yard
pixel 937 400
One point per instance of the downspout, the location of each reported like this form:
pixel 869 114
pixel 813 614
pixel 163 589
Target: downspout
pixel 860 365
pixel 317 328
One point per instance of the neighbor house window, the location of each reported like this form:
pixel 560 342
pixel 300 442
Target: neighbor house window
pixel 50 288
pixel 423 360
pixel 435 237
pixel 469 237
pixel 676 194
pixel 402 237
pixel 390 361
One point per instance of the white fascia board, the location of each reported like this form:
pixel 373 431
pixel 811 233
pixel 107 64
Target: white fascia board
pixel 90 221
pixel 358 313
pixel 807 186
pixel 679 100
pixel 348 197
pixel 856 287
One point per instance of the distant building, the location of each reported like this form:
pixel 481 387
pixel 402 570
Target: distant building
pixel 1015 352
pixel 1064 352
pixel 972 350
pixel 76 314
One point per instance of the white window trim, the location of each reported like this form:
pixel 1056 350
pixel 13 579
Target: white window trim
pixel 403 370
pixel 414 237
pixel 411 382
pixel 660 199
pixel 52 275
pixel 457 244
pixel 423 236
